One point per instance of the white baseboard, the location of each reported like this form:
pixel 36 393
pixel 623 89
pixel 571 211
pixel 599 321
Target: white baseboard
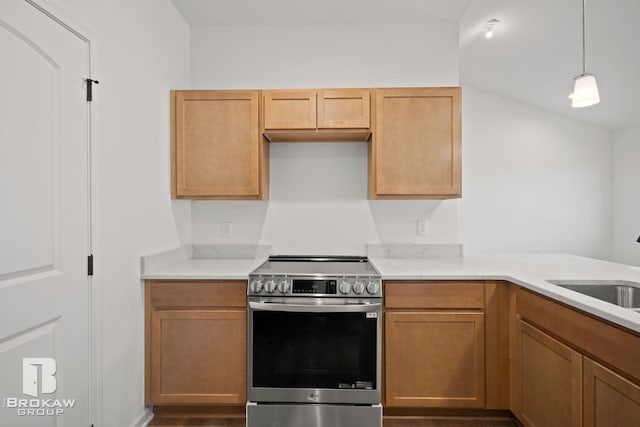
pixel 143 419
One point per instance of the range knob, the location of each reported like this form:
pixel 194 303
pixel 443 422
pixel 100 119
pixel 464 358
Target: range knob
pixel 358 288
pixel 256 286
pixel 373 287
pixel 270 286
pixel 345 287
pixel 283 287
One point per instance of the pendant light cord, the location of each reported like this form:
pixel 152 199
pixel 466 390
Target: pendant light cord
pixel 584 38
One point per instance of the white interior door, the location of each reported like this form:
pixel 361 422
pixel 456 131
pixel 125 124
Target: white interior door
pixel 44 222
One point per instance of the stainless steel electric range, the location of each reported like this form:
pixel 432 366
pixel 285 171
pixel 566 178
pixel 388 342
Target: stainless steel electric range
pixel 314 343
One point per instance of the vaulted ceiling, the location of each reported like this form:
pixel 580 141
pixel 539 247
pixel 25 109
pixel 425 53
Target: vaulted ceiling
pixel 533 57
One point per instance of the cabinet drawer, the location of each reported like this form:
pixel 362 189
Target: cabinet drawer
pixel 344 108
pixel 199 294
pixel 450 295
pixel 289 109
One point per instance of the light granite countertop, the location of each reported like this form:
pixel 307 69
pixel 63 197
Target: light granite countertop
pixel 207 269
pixel 531 271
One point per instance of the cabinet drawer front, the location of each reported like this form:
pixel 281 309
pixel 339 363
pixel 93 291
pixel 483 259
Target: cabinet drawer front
pixel 199 294
pixel 451 295
pixel 343 108
pixel 294 109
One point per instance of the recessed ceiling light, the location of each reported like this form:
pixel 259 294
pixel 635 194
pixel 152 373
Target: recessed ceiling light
pixel 488 27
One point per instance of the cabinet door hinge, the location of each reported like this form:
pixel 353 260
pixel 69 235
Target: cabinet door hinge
pixel 90 265
pixel 90 83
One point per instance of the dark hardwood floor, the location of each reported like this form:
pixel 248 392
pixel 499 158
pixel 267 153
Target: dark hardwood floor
pixel 388 422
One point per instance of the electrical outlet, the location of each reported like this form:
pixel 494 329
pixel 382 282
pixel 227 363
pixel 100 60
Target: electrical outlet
pixel 227 229
pixel 423 227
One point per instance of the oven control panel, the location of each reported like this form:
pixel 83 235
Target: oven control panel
pixel 338 287
pixel 311 286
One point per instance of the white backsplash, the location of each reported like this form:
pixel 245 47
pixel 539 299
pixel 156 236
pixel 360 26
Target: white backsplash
pixel 319 205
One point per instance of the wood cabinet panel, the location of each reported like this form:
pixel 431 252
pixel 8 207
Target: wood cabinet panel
pixel 609 399
pixel 548 379
pixel 612 344
pixel 497 344
pixel 216 149
pixel 434 359
pixel 198 294
pixel 289 109
pixel 344 108
pixel 195 342
pixel 198 357
pixel 452 294
pixel 416 144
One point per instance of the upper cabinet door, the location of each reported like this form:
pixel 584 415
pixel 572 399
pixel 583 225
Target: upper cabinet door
pixel 290 109
pixel 216 150
pixel 416 144
pixel 344 108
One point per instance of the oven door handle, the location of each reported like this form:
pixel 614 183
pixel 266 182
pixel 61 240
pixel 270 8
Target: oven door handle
pixel 315 308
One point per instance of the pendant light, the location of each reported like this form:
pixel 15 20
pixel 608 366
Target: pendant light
pixel 585 90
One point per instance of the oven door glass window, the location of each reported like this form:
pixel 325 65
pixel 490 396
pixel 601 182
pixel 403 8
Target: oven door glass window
pixel 314 350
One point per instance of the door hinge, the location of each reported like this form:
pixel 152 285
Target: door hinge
pixel 90 265
pixel 90 83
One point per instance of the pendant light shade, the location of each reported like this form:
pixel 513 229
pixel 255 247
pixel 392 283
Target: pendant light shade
pixel 585 91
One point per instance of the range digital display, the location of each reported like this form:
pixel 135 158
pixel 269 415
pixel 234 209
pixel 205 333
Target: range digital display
pixel 303 286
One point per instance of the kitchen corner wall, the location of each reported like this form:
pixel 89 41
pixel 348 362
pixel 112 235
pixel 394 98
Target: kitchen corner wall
pixel 626 196
pixel 140 50
pixel 533 181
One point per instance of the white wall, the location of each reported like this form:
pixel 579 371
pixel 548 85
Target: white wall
pixel 533 181
pixel 626 196
pixel 319 205
pixel 140 51
pixel 238 57
pixel 318 198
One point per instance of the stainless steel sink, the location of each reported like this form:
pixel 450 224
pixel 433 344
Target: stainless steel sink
pixel 622 293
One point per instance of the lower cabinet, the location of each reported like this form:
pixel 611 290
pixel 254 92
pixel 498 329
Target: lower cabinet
pixel 434 359
pixel 556 381
pixel 609 399
pixel 196 343
pixel 547 379
pixel 434 344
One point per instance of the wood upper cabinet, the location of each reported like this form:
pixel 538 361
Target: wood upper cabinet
pixel 217 150
pixel 344 108
pixel 289 109
pixel 609 399
pixel 416 146
pixel 317 109
pixel 195 343
pixel 547 379
pixel 434 344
